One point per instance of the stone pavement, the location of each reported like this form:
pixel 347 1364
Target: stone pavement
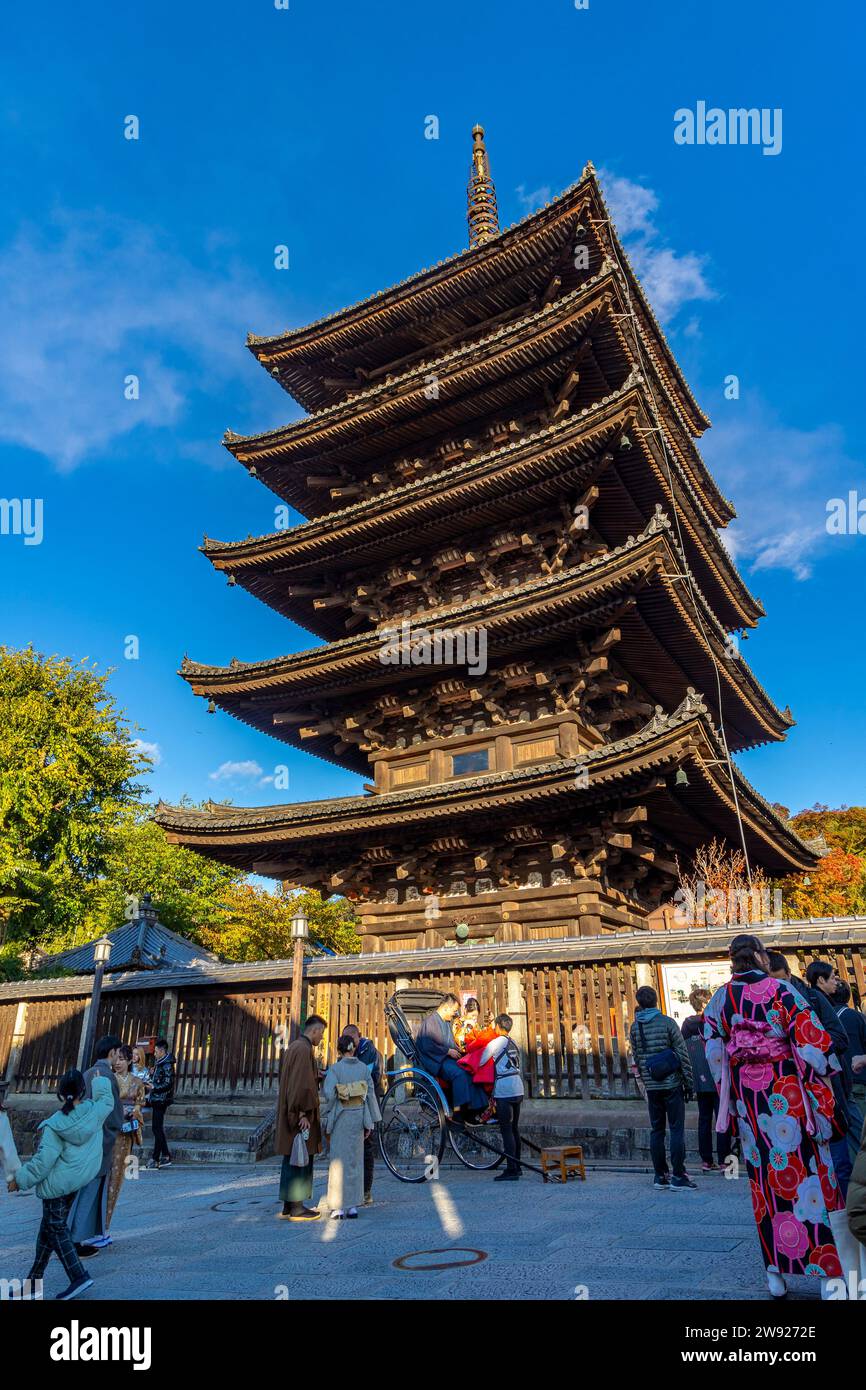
pixel 193 1233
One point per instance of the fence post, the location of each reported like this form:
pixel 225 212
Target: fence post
pixel 17 1046
pixel 168 1017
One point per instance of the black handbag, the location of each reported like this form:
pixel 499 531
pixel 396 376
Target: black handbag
pixel 660 1065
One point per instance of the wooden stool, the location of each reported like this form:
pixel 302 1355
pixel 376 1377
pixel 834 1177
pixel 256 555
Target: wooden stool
pixel 568 1159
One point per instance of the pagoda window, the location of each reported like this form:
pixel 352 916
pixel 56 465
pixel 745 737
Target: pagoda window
pixel 467 764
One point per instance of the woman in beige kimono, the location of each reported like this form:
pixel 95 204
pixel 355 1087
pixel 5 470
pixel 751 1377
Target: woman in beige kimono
pixel 132 1094
pixel 349 1111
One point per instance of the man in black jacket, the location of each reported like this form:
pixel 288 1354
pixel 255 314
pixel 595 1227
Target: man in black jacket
pixel 161 1096
pixel 855 1026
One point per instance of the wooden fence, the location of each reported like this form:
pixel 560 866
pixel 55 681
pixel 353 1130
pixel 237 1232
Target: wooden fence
pixel 230 1042
pixel 577 1022
pixel 574 1019
pixel 51 1042
pixel 8 1015
pixel 130 1016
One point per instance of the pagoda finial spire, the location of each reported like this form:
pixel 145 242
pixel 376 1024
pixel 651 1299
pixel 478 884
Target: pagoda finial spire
pixel 482 213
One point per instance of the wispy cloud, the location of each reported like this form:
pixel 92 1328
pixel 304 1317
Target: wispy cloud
pixel 150 750
pixel 530 202
pixel 242 771
pixel 90 299
pixel 781 478
pixel 671 278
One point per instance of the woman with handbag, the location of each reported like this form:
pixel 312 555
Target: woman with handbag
pixel 132 1097
pixel 349 1111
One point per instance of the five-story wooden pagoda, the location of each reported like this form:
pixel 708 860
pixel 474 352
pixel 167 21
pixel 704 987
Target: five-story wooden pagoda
pixel 500 449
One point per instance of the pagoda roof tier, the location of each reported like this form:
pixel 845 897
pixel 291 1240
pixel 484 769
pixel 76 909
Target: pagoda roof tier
pixel 321 363
pixel 487 379
pixel 498 486
pixel 643 765
pixel 639 585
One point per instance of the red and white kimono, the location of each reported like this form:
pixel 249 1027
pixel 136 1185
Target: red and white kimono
pixel 769 1056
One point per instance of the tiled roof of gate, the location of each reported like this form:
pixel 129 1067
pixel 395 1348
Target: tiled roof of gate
pixel 812 932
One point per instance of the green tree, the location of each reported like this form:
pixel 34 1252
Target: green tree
pixel 69 764
pixel 257 925
pixel 188 890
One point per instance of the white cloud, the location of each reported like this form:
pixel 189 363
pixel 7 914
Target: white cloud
pixel 780 478
pixel 236 771
pixel 530 202
pixel 91 298
pixel 631 204
pixel 670 278
pixel 150 750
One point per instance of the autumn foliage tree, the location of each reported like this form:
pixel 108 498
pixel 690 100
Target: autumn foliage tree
pixel 836 887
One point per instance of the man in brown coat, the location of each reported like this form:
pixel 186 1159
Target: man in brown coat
pixel 298 1113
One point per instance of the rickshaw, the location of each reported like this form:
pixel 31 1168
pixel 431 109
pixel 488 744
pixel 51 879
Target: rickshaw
pixel 417 1122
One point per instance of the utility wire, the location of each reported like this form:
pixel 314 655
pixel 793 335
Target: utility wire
pixel 645 366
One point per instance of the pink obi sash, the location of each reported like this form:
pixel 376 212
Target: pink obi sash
pixel 752 1043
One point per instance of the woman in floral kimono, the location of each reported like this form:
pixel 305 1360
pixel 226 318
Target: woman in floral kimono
pixel 769 1057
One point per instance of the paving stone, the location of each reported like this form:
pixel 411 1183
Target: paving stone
pixel 612 1234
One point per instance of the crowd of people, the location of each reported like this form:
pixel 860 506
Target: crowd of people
pixel 85 1151
pixel 776 1064
pixel 339 1107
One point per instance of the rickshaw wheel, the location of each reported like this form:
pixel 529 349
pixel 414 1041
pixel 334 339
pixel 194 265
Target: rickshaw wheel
pixel 463 1140
pixel 412 1131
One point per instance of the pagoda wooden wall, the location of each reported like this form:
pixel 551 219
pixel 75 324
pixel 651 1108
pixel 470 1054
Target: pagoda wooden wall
pixel 573 1019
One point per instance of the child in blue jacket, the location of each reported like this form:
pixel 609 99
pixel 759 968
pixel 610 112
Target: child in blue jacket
pixel 69 1156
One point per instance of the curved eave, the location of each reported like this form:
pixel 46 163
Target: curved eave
pixel 406 389
pixel 436 289
pixel 682 741
pixel 398 404
pixel 534 607
pixel 429 291
pixel 420 503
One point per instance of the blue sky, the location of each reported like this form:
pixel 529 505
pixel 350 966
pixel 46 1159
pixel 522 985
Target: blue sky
pixel 305 126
